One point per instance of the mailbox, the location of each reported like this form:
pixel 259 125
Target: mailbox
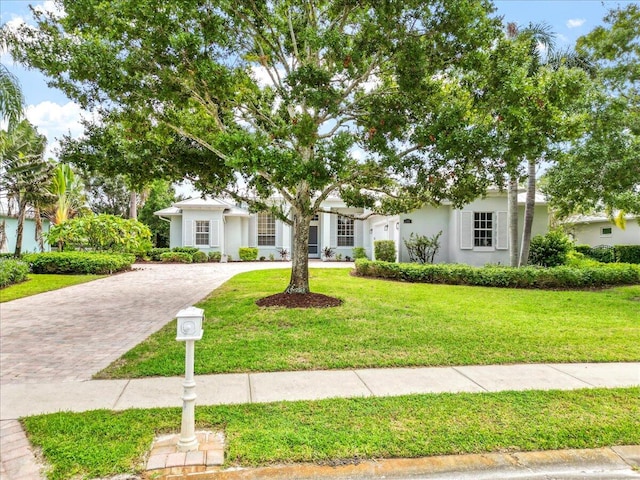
pixel 190 323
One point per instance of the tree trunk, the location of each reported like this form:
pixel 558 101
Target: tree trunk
pixel 38 233
pixel 22 210
pixel 528 213
pixel 3 237
pixel 513 220
pixel 133 205
pixel 300 255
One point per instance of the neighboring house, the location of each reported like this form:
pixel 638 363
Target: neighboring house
pixel 29 242
pixel 597 230
pixel 477 234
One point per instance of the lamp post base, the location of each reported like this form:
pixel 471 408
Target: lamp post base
pixel 188 444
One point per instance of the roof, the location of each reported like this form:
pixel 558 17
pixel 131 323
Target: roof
pixel 228 208
pixel 596 218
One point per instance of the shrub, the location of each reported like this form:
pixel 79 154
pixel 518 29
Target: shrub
pixel 328 252
pixel 627 253
pixel 248 254
pixel 359 252
pixel 603 253
pixel 283 252
pixel 199 257
pixel 493 276
pixel 154 253
pixel 549 250
pixel 12 271
pixel 584 249
pixel 176 257
pixel 422 249
pixel 96 263
pixel 385 250
pixel 189 250
pixel 215 256
pixel 105 233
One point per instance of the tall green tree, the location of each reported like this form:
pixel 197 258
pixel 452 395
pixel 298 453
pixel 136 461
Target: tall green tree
pixel 11 98
pixel 26 174
pixel 296 99
pixel 601 170
pixel 161 195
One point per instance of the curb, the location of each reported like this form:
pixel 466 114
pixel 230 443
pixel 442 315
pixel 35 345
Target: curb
pixel 621 461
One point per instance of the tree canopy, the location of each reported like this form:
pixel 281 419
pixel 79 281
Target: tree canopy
pixel 295 99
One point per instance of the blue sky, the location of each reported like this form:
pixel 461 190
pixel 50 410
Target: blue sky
pixel 55 115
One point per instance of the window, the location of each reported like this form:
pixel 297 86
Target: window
pixel 345 232
pixel 202 232
pixel 266 230
pixel 606 231
pixel 483 229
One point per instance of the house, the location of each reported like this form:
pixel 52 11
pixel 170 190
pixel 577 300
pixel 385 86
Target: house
pixel 598 229
pixel 476 234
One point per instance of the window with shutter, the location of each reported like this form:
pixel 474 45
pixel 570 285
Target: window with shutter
pixel 466 230
pixel 214 241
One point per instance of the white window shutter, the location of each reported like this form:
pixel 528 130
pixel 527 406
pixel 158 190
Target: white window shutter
pixel 466 230
pixel 502 231
pixel 188 234
pixel 214 233
pixel 253 232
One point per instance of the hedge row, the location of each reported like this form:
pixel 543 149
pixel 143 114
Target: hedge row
pixel 79 262
pixel 12 271
pixel 491 276
pixel 608 254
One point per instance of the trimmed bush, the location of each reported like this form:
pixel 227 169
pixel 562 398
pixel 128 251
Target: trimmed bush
pixel 95 263
pixel 215 256
pixel 248 254
pixel 549 250
pixel 584 249
pixel 603 253
pixel 627 253
pixel 359 252
pixel 176 257
pixel 199 257
pixel 12 271
pixel 385 250
pixel 189 250
pixel 154 253
pixel 493 276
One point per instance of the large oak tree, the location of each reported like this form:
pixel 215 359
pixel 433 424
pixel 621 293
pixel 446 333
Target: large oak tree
pixel 289 99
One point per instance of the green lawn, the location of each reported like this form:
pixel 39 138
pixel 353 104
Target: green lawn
pixel 102 443
pixel 386 324
pixel 43 283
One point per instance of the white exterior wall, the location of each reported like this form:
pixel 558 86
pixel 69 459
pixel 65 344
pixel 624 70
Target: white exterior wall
pixel 216 238
pixel 235 237
pixel 427 221
pixel 332 235
pixel 175 232
pixel 591 233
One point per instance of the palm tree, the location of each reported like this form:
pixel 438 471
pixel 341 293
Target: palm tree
pixel 11 99
pixel 26 175
pixel 68 190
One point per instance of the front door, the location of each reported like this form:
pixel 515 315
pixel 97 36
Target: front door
pixel 314 248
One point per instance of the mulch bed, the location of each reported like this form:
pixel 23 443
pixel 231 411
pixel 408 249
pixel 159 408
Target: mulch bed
pixel 299 300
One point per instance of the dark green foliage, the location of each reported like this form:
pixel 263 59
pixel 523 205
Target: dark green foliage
pixel 12 271
pixel 248 254
pixel 602 253
pixel 161 195
pixel 627 253
pixel 385 250
pixel 189 250
pixel 524 277
pixel 549 250
pixel 214 256
pixel 176 257
pixel 422 249
pixel 199 257
pixel 154 253
pixel 583 248
pixel 79 262
pixel 359 252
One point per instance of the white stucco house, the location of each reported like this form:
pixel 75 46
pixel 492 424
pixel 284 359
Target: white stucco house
pixel 476 234
pixel 597 230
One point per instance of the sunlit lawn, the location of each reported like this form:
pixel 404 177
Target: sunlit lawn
pixel 388 324
pixel 43 283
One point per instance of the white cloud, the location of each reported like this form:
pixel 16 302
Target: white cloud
pixel 575 22
pixel 54 120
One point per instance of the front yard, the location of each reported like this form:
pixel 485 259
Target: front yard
pixel 392 324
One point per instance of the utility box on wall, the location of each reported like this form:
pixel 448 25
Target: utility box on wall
pixel 190 324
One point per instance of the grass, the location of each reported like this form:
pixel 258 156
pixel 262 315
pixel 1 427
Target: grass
pixel 393 324
pixel 41 283
pixel 102 443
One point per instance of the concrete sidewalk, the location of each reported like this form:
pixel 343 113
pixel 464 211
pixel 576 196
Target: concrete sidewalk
pixel 18 400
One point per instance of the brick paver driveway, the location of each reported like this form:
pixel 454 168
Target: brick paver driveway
pixel 70 334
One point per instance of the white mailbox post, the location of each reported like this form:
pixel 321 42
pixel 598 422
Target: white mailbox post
pixel 189 330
